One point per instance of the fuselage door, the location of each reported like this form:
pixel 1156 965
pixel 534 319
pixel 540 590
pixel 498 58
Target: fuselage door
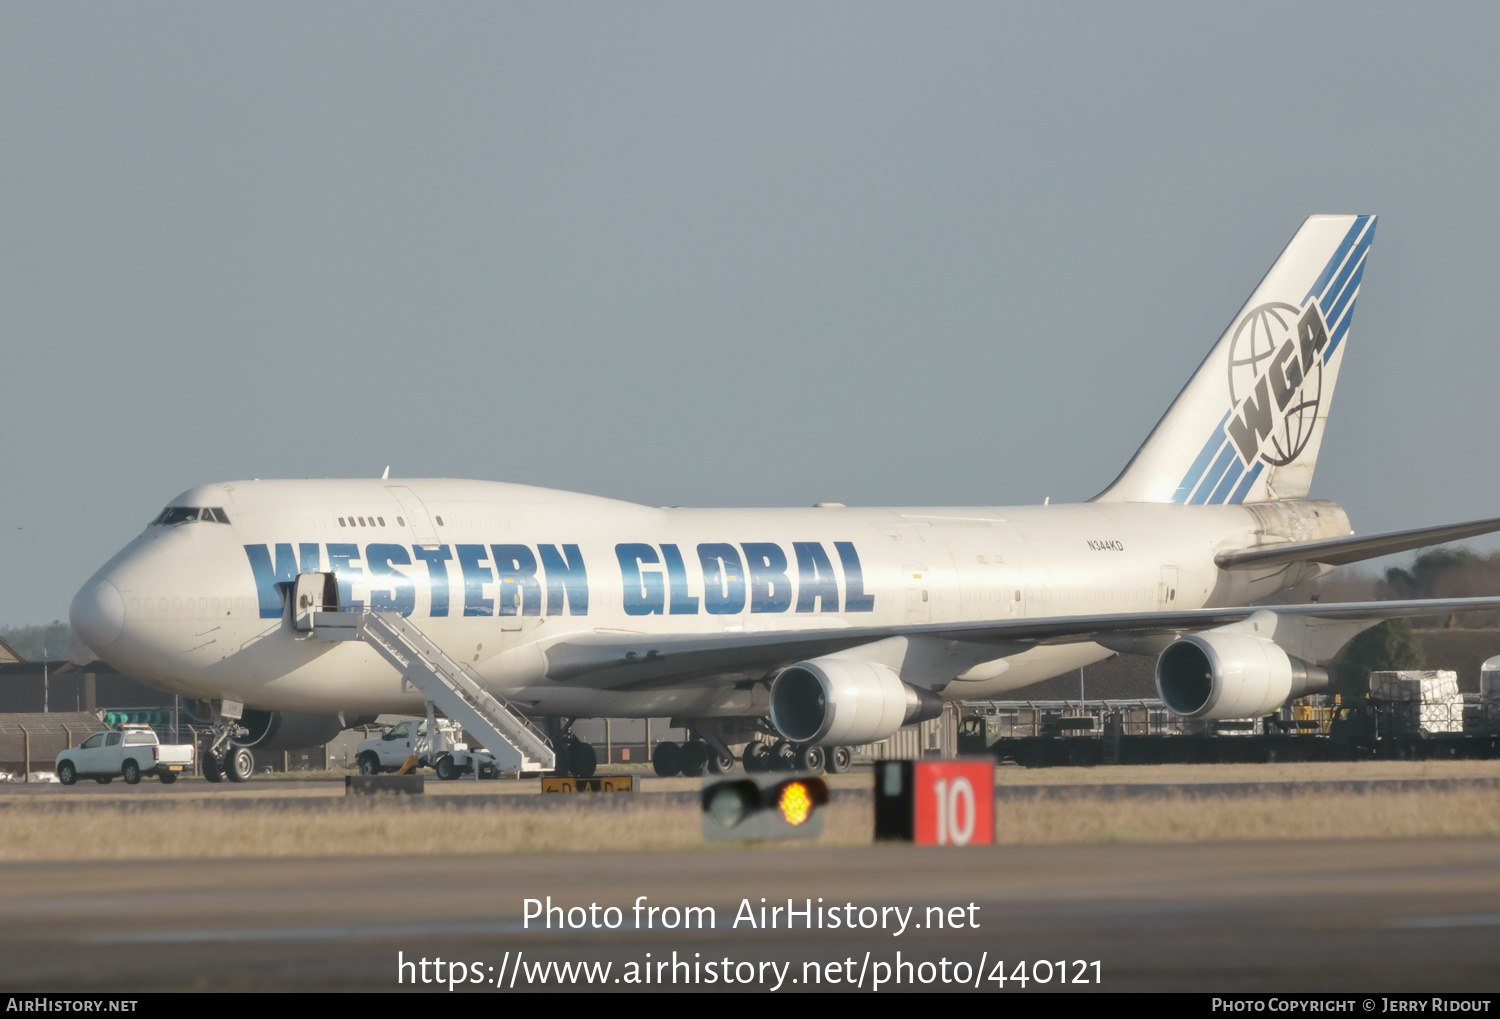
pixel 1166 594
pixel 314 592
pixel 918 594
pixel 416 513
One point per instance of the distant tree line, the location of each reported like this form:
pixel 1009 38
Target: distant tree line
pixel 1437 573
pixel 54 641
pixel 1447 573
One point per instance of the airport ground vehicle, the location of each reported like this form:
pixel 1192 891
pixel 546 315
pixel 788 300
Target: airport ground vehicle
pixel 130 752
pixel 448 755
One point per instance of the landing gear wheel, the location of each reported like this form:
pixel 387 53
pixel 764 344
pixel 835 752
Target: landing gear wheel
pixel 840 760
pixel 582 757
pixel 66 773
pixel 667 759
pixel 720 764
pixel 810 758
pixel 694 758
pixel 131 772
pixel 166 777
pixel 104 779
pixel 783 756
pixel 756 757
pixel 446 769
pixel 213 768
pixel 239 765
pixel 562 765
pixel 369 764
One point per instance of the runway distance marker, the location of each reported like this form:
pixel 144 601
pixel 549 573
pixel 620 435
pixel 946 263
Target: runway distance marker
pixel 936 803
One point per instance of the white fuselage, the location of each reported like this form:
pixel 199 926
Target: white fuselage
pixel 494 573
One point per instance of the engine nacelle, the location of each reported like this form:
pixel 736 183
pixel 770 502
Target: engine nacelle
pixel 287 730
pixel 833 702
pixel 1224 674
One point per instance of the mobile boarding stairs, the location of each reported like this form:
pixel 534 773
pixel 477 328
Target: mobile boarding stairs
pixel 515 744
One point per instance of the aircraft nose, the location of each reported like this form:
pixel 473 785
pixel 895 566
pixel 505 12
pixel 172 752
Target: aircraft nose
pixel 98 614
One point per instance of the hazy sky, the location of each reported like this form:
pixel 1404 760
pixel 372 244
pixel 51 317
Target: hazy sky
pixel 714 254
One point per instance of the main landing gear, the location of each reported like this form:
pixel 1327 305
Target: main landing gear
pixel 697 756
pixel 782 755
pixel 692 759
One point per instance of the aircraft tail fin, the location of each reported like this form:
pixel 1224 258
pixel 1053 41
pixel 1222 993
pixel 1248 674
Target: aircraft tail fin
pixel 1248 425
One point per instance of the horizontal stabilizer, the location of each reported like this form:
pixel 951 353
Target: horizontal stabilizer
pixel 1340 551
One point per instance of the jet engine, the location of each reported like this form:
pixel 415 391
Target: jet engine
pixel 833 702
pixel 287 730
pixel 1224 674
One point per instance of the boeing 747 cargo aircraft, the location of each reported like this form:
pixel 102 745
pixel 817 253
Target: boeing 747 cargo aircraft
pixel 288 608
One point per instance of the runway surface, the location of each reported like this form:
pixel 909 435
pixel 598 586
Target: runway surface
pixel 1363 917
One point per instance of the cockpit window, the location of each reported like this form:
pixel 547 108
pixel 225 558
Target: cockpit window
pixel 189 514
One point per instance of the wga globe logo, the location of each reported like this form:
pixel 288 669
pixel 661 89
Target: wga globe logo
pixel 1276 381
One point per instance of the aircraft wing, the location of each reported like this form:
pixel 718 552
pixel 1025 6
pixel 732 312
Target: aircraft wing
pixel 1340 551
pixel 642 661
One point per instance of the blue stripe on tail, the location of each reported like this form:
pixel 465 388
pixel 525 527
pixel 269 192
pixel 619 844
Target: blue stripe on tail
pixel 1227 457
pixel 1246 483
pixel 1338 258
pixel 1200 464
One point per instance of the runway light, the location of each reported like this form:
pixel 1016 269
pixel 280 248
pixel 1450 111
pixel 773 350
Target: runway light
pixel 729 803
pixel 764 807
pixel 795 804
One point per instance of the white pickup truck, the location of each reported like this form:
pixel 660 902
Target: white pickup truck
pixel 449 758
pixel 130 752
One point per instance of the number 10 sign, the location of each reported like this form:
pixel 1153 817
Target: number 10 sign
pixel 936 803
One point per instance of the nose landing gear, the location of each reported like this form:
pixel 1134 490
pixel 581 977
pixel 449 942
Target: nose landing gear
pixel 221 758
